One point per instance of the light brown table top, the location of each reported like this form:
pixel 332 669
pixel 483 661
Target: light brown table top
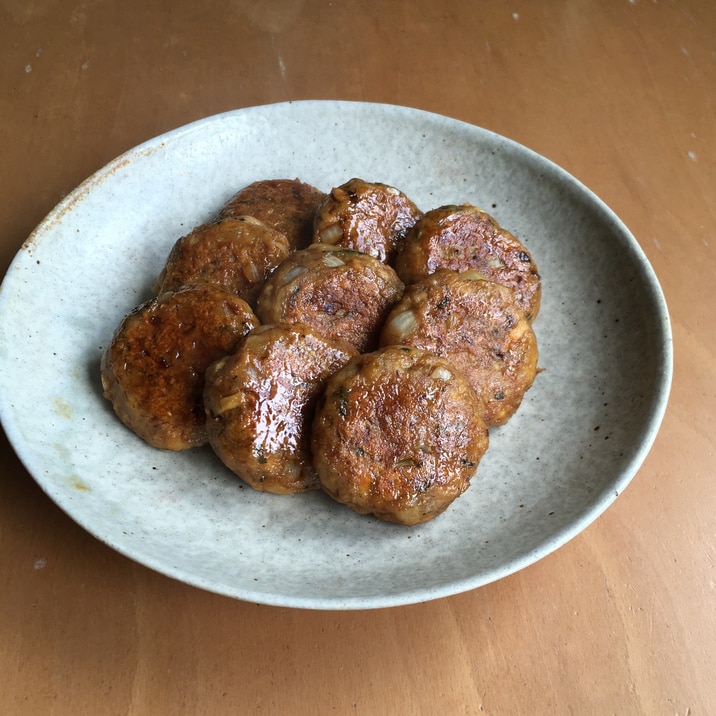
pixel 621 620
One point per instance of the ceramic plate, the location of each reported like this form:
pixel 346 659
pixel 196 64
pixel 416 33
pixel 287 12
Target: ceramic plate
pixel 579 437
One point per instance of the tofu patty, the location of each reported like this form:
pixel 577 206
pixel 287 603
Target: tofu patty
pixel 398 435
pixel 343 294
pixel 153 369
pixel 260 400
pixel 236 254
pixel 476 324
pixel 463 237
pixel 287 205
pixel 370 217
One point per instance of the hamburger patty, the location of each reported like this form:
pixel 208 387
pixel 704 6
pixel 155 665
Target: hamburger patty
pixel 259 403
pixel 153 369
pixel 463 237
pixel 234 254
pixel 479 326
pixel 366 216
pixel 287 205
pixel 397 434
pixel 343 294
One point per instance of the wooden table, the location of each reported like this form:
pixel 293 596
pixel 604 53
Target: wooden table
pixel 622 620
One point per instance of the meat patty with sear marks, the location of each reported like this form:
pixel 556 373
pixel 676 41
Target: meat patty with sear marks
pixel 235 254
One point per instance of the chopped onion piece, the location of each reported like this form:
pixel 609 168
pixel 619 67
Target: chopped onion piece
pixel 292 273
pixel 519 330
pixel 331 234
pixel 471 275
pixel 230 402
pixel 251 271
pixel 250 220
pixel 403 323
pixel 332 261
pixel 293 469
pixel 441 373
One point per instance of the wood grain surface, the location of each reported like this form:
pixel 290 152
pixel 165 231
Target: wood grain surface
pixel 621 620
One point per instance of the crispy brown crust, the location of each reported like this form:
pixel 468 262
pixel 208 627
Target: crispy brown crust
pixel 287 205
pixel 153 370
pixel 397 434
pixel 463 237
pixel 370 217
pixel 236 254
pixel 343 294
pixel 479 326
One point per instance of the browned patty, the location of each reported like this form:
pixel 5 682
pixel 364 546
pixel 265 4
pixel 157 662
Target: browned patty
pixel 343 294
pixel 153 369
pixel 287 205
pixel 476 324
pixel 397 434
pixel 366 216
pixel 260 400
pixel 234 254
pixel 461 238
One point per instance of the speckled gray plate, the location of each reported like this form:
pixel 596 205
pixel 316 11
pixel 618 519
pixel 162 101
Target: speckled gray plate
pixel 581 433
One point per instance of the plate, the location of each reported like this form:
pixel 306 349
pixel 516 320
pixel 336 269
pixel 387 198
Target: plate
pixel 579 437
